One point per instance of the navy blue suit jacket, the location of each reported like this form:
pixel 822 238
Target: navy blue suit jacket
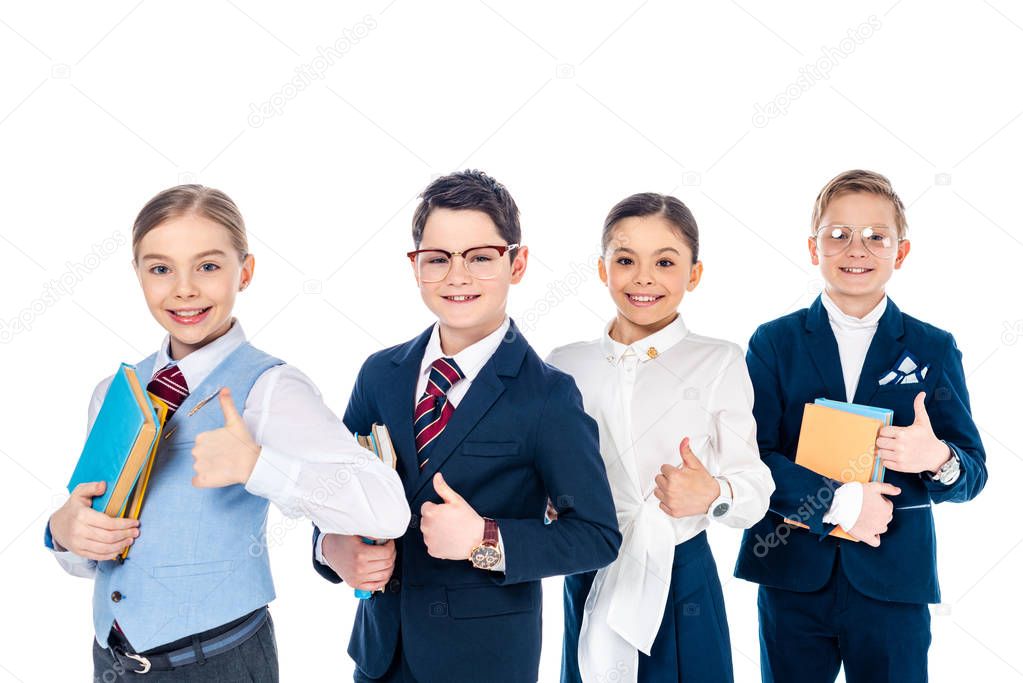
pixel 517 437
pixel 793 361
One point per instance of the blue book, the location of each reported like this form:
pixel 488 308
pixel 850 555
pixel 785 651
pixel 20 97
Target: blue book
pixel 121 444
pixel 885 415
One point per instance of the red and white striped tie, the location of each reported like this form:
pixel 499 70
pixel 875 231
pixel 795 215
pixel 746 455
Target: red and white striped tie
pixel 434 410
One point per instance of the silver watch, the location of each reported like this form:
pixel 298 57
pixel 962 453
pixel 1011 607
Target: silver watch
pixel 949 472
pixel 723 503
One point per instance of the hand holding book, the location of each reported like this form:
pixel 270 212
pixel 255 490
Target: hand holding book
pixel 75 526
pixel 875 513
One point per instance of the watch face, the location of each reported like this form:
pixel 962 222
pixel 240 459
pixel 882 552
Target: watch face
pixel 485 557
pixel 721 509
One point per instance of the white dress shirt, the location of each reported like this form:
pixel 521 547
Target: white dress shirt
pixel 309 464
pixel 470 361
pixel 853 336
pixel 645 397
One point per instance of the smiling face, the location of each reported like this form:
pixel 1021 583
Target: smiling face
pixel 467 308
pixel 647 268
pixel 190 274
pixel 856 278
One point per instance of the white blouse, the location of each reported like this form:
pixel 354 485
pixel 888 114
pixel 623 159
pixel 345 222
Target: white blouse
pixel 645 397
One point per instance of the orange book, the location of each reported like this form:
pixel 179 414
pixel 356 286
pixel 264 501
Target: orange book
pixel 838 444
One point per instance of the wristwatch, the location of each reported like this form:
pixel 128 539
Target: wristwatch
pixel 949 472
pixel 723 503
pixel 487 554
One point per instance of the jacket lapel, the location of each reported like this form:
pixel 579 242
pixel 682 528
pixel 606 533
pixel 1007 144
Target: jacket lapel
pixel 884 350
pixel 824 351
pixel 399 403
pixel 484 392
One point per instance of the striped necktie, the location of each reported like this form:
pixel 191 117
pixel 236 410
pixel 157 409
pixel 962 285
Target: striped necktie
pixel 169 386
pixel 433 409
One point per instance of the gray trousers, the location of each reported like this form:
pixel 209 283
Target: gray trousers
pixel 253 660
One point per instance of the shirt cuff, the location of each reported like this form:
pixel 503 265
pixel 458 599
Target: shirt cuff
pixel 846 506
pixel 48 540
pixel 318 553
pixel 731 500
pixel 274 477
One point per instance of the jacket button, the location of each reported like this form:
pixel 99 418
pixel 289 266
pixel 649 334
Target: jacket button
pixel 394 586
pixel 413 522
pixel 116 596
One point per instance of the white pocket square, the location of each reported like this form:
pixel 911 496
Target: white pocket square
pixel 906 371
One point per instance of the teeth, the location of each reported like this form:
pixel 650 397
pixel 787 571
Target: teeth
pixel 855 270
pixel 637 297
pixel 189 313
pixel 462 297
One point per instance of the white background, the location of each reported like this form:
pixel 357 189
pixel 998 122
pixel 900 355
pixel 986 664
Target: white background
pixel 573 106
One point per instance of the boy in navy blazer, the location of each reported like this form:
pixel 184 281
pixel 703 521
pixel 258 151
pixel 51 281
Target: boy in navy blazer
pixel 826 602
pixel 486 434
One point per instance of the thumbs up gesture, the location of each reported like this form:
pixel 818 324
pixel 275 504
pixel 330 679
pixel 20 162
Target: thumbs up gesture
pixel 451 529
pixel 688 490
pixel 227 455
pixel 914 448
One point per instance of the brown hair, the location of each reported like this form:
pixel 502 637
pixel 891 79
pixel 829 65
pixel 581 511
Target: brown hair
pixel 653 204
pixel 859 181
pixel 183 200
pixel 470 189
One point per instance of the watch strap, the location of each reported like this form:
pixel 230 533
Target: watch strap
pixel 490 532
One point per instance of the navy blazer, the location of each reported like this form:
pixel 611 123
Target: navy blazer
pixel 518 436
pixel 793 361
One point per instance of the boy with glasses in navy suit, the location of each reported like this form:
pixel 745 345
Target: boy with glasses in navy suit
pixel 826 602
pixel 485 433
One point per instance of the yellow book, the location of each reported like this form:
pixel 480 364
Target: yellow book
pixel 134 507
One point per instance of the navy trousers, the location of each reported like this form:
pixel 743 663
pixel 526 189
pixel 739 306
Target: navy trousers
pixel 806 637
pixel 692 645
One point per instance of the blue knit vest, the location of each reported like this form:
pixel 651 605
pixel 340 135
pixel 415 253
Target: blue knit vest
pixel 201 558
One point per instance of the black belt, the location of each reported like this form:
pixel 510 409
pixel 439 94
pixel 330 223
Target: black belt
pixel 202 646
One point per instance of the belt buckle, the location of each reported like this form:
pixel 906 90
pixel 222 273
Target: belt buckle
pixel 143 661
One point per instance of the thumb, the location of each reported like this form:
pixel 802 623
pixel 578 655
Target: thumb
pixel 689 458
pixel 89 489
pixel 231 415
pixel 446 493
pixel 920 410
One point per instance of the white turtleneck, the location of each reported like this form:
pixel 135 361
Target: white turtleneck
pixel 853 336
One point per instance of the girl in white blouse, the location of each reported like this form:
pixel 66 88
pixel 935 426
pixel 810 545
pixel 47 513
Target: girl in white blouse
pixel 677 435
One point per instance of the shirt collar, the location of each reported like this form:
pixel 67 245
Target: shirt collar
pixel 472 358
pixel 197 365
pixel 647 348
pixel 847 322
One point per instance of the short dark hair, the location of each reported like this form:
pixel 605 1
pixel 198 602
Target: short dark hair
pixel 465 190
pixel 653 204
